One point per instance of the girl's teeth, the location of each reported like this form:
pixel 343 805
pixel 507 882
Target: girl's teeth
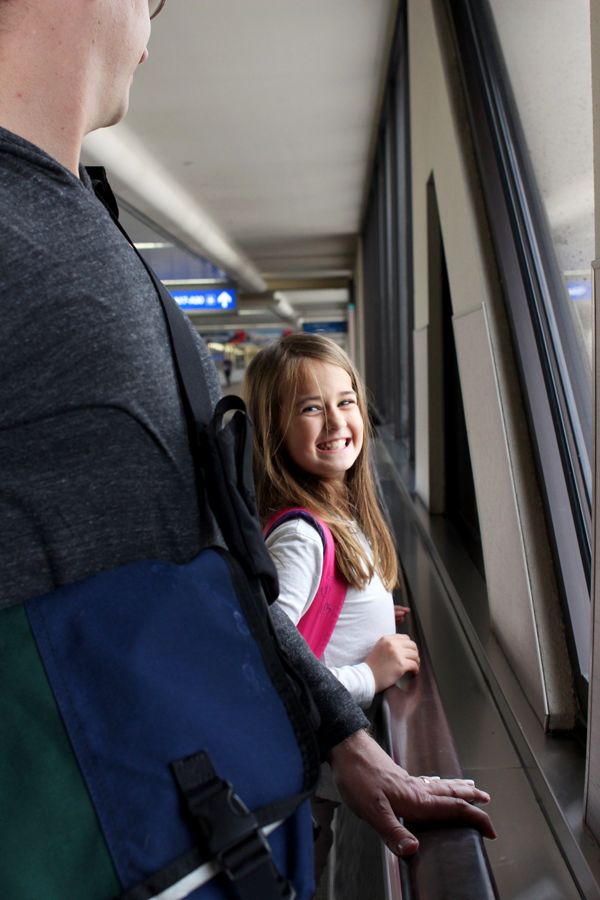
pixel 333 445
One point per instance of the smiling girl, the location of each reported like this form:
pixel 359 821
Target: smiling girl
pixel 324 527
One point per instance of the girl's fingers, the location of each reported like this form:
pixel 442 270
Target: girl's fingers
pixel 400 612
pixel 409 654
pixel 403 640
pixel 411 665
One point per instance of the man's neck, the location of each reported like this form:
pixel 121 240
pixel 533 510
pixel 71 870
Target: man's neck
pixel 43 91
pixel 60 146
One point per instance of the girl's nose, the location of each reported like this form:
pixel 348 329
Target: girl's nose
pixel 335 419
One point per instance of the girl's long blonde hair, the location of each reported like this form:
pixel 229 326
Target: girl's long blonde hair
pixel 270 389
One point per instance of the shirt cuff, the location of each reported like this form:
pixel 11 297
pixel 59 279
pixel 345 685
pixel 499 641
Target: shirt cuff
pixel 358 680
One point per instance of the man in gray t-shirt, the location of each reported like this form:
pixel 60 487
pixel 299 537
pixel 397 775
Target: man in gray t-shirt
pixel 93 442
pixel 96 469
pixel 94 450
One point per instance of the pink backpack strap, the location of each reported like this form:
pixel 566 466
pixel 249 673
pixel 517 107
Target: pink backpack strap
pixel 317 624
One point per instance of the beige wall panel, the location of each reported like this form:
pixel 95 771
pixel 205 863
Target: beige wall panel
pixel 511 607
pixel 436 148
pixel 528 505
pixel 421 415
pixel 429 436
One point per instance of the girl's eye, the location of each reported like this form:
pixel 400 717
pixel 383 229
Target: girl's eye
pixel 310 409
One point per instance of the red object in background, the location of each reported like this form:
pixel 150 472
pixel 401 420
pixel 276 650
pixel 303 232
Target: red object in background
pixel 238 337
pixel 286 332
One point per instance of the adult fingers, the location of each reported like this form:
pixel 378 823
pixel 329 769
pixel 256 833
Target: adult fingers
pixel 397 838
pixel 428 778
pixel 459 788
pixel 452 808
pixel 402 842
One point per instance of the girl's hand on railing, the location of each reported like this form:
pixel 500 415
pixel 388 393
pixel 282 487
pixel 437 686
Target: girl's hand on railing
pixel 400 612
pixel 392 656
pixel 376 789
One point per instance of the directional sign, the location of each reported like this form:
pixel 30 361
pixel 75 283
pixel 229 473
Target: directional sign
pixel 325 327
pixel 214 300
pixel 580 290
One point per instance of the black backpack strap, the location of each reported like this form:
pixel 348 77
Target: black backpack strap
pixel 298 514
pixel 225 470
pixel 187 358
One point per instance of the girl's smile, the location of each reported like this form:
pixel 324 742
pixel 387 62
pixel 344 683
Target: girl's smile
pixel 324 434
pixel 334 446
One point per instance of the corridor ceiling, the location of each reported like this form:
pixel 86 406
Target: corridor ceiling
pixel 262 114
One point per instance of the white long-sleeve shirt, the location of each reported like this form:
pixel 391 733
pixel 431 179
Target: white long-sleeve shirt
pixel 366 615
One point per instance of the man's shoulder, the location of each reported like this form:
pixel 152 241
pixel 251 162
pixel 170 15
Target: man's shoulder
pixel 38 210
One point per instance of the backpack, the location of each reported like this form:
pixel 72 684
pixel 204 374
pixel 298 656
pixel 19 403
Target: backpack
pixel 156 743
pixel 318 622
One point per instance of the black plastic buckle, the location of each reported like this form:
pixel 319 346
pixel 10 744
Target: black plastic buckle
pixel 229 828
pixel 230 831
pixel 245 855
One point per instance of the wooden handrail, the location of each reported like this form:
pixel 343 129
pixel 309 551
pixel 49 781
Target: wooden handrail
pixel 451 863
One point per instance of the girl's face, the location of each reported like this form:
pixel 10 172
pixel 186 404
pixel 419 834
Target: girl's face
pixel 325 432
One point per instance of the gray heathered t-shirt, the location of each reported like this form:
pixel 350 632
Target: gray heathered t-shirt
pixel 95 467
pixel 94 457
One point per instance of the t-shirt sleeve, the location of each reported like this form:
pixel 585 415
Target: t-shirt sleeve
pixel 340 716
pixel 358 680
pixel 297 551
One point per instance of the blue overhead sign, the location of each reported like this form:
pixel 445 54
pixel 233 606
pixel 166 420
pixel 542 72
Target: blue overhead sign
pixel 325 327
pixel 215 300
pixel 580 290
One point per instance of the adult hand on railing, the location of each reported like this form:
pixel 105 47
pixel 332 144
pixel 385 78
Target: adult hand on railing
pixel 373 787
